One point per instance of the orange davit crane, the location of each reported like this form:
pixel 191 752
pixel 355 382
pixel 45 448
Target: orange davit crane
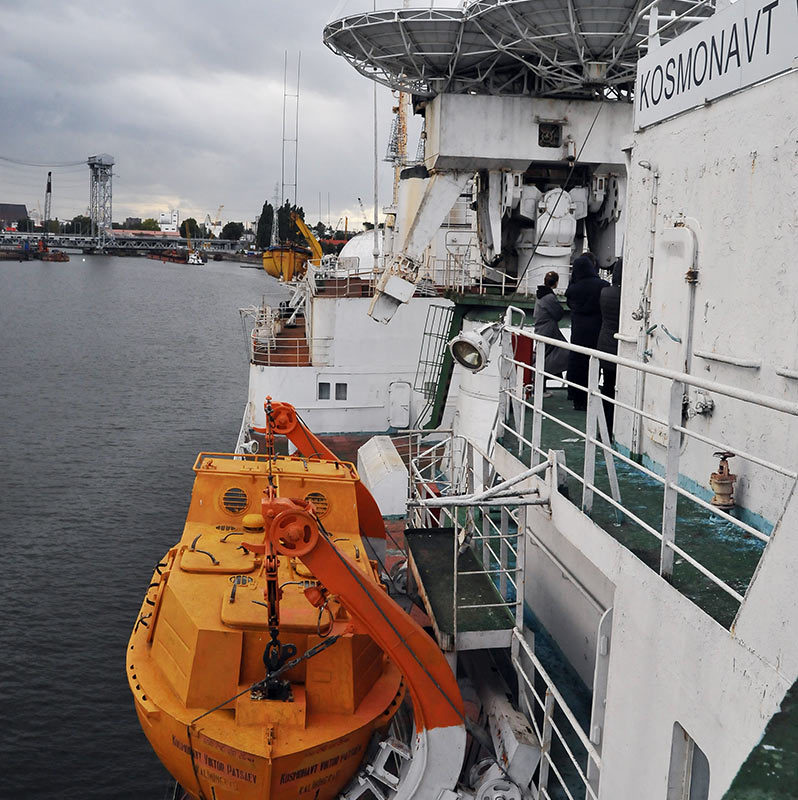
pixel 267 653
pixel 312 241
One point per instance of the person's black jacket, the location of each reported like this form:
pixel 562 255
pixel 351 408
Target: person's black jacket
pixel 610 305
pixel 582 296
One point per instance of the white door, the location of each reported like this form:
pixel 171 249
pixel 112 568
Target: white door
pixel 399 400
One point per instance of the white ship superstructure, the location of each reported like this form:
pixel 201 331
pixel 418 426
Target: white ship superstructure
pixel 323 353
pixel 648 630
pixel 710 287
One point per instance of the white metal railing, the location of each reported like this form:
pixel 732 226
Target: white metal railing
pixel 596 437
pixel 462 274
pixel 346 277
pixel 540 710
pixel 437 469
pixel 341 277
pixel 449 483
pixel 270 342
pixel 300 352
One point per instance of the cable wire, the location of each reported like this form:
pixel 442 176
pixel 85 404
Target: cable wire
pixel 54 165
pixel 475 731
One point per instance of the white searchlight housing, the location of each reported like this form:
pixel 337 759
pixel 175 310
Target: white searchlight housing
pixel 471 349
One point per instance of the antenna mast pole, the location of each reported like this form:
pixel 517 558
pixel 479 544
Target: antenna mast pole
pixel 282 152
pixel 289 137
pixel 376 248
pixel 296 126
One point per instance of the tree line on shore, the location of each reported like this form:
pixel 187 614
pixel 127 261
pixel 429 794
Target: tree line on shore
pixel 81 225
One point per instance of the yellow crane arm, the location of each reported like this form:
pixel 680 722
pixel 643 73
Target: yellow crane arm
pixel 309 237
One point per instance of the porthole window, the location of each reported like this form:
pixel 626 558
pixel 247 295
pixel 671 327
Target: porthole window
pixel 340 391
pixel 324 391
pixel 235 500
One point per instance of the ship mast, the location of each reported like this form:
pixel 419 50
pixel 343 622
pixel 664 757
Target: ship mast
pixel 397 144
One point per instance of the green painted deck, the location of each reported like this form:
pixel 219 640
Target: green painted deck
pixel 771 770
pixel 432 551
pixel 727 551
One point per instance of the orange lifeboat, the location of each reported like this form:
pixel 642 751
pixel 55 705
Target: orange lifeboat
pixel 286 261
pixel 258 659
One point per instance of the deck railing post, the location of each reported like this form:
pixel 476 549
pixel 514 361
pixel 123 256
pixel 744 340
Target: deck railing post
pixel 520 561
pixel 671 496
pixel 545 746
pixel 485 536
pixel 520 593
pixel 503 550
pixel 537 403
pixel 522 421
pixel 456 549
pixel 591 419
pixel 469 524
pixel 520 567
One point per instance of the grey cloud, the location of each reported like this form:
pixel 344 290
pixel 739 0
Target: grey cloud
pixel 187 97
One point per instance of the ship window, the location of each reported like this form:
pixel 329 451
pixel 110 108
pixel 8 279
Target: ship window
pixel 340 391
pixel 324 391
pixel 549 134
pixel 688 777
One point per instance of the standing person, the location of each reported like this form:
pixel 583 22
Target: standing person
pixel 610 304
pixel 546 316
pixel 582 296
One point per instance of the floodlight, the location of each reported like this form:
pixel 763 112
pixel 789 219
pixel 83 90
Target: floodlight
pixel 471 349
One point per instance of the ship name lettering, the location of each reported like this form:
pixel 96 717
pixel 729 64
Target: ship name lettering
pixel 684 71
pixel 712 57
pixel 287 777
pixel 213 763
pixel 180 745
pixel 242 774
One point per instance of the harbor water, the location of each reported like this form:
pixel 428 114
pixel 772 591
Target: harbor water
pixel 116 372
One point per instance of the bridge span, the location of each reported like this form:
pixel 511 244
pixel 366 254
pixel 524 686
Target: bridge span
pixel 110 243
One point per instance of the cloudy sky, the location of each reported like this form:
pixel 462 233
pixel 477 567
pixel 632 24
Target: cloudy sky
pixel 187 97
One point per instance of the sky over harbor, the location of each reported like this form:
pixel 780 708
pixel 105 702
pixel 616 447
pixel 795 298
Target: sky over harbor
pixel 187 97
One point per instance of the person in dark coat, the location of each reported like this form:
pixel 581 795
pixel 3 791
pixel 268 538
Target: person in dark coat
pixel 546 316
pixel 582 296
pixel 610 304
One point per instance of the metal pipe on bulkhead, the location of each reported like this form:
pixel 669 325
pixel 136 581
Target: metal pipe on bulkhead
pixel 642 313
pixel 691 279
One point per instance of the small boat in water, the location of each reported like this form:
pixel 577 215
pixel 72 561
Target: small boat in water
pixel 53 255
pixel 258 662
pixel 176 256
